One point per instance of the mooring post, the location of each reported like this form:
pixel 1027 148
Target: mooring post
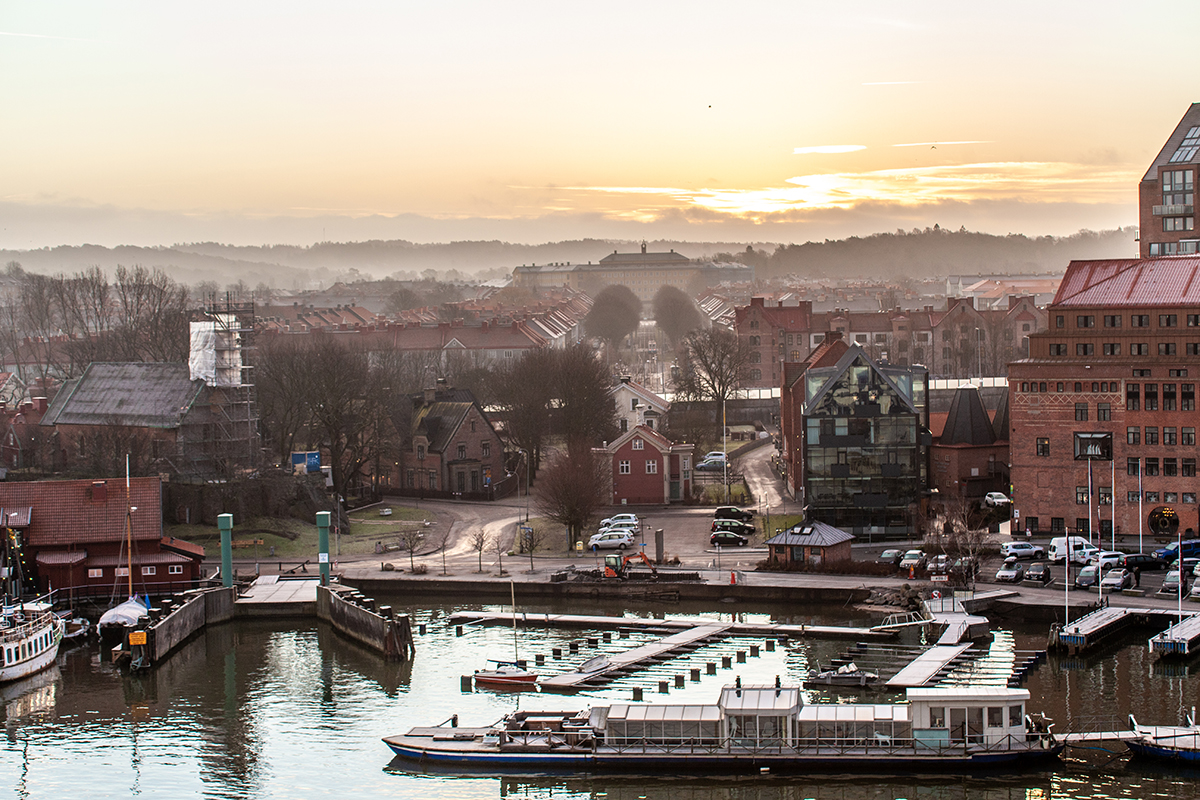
pixel 323 545
pixel 225 524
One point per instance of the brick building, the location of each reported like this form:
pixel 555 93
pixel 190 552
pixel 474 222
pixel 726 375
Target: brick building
pixel 961 341
pixel 968 458
pixel 648 468
pixel 1167 193
pixel 1103 412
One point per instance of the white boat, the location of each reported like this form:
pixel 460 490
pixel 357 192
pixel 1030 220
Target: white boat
pixel 845 675
pixel 29 637
pixel 1166 742
pixel 753 728
pixel 114 622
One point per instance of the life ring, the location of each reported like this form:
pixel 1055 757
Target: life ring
pixel 935 595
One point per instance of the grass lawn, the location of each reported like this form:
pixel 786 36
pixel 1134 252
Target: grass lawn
pixel 296 540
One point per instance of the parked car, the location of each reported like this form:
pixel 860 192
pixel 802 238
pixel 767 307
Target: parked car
pixel 913 559
pixel 890 557
pixel 1173 584
pixel 1191 549
pixel 1143 561
pixel 1039 572
pixel 1086 578
pixel 967 566
pixel 736 526
pixel 1079 549
pixel 1011 571
pixel 728 539
pixel 713 465
pixel 732 512
pixel 1117 579
pixel 1022 550
pixel 1108 559
pixel 612 539
pixel 939 564
pixel 994 499
pixel 605 523
pixel 715 455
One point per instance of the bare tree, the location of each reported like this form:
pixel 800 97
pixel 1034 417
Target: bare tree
pixel 533 539
pixel 412 538
pixel 498 546
pixel 443 541
pixel 479 541
pixel 573 488
pixel 585 408
pixel 716 364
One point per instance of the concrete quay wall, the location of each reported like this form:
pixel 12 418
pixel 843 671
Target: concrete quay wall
pixel 205 607
pixel 389 635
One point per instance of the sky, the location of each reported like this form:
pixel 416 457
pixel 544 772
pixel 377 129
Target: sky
pixel 295 122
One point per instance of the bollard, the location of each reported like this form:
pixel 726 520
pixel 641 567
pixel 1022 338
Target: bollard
pixel 573 647
pixel 754 651
pixel 726 662
pixel 678 681
pixel 465 683
pixel 770 645
pixel 608 636
pixel 637 694
pixel 695 674
pixel 741 656
pixel 711 668
pixel 663 688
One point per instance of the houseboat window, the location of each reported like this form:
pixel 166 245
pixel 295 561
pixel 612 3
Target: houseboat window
pixel 1014 716
pixel 148 570
pixel 995 717
pixel 937 717
pixel 95 573
pixel 175 569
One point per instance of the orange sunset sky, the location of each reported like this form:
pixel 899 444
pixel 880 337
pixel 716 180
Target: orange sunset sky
pixel 271 122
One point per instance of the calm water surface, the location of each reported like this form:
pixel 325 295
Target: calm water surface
pixel 254 710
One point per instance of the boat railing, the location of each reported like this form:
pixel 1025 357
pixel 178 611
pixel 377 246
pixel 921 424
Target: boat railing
pixel 26 627
pixel 876 745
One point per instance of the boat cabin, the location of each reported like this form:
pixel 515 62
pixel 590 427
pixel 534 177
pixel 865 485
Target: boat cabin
pixel 776 717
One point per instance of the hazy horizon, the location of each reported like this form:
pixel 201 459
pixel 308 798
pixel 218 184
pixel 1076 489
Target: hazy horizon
pixel 153 124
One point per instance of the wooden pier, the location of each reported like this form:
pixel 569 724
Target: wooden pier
pixel 622 663
pixel 271 595
pixel 641 623
pixel 1181 639
pixel 926 666
pixel 1105 622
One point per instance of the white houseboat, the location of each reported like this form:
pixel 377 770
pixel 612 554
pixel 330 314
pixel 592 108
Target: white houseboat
pixel 752 728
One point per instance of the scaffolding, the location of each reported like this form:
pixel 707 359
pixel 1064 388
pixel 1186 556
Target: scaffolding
pixel 219 342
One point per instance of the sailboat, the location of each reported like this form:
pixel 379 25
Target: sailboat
pixel 508 674
pixel 121 618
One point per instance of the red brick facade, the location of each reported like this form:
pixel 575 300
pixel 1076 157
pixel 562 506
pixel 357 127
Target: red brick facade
pixel 647 468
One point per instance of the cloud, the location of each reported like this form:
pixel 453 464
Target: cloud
pixel 829 149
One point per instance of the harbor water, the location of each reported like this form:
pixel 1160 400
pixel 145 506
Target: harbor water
pixel 288 709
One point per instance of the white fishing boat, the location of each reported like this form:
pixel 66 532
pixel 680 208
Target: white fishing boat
pixel 753 728
pixel 29 637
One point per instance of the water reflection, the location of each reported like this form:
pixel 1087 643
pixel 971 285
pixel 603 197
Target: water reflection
pixel 290 709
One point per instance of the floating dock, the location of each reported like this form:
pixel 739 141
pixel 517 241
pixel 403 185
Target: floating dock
pixel 1181 639
pixel 621 663
pixel 641 623
pixel 925 667
pixel 1103 623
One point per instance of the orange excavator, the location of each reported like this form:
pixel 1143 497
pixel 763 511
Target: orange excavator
pixel 618 566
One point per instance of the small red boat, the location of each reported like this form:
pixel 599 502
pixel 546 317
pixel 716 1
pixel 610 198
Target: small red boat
pixel 506 675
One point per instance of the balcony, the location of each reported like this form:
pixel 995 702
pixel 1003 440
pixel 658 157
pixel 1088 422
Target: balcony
pixel 1173 211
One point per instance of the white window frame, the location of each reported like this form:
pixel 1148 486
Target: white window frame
pixel 623 467
pixel 149 570
pixel 96 572
pixel 652 466
pixel 638 444
pixel 175 569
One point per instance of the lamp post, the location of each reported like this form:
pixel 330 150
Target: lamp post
pixel 725 451
pixel 421 477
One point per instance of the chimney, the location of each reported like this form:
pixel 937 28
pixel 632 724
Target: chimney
pixel 626 378
pixel 431 394
pixel 832 336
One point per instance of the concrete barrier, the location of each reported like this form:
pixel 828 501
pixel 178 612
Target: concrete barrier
pixel 389 635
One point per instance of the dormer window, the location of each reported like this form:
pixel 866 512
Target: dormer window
pixel 638 444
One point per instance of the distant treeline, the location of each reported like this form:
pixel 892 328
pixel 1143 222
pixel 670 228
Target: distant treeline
pixel 934 252
pixel 919 253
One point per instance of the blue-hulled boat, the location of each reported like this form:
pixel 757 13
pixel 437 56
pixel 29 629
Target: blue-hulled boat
pixel 1166 742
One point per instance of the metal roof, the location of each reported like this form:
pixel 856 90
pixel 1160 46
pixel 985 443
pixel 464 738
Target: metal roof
pixel 1131 282
pixel 759 699
pixel 811 534
pixel 967 421
pixel 135 394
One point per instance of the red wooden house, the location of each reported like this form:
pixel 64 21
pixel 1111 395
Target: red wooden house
pixel 647 468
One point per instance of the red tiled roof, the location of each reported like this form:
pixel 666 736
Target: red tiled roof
pixel 70 513
pixel 60 557
pixel 1165 281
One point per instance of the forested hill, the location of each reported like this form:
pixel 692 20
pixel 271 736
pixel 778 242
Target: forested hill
pixel 932 252
pixel 936 252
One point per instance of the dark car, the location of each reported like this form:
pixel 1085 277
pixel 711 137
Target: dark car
pixel 733 526
pixel 1039 572
pixel 890 557
pixel 1144 561
pixel 732 512
pixel 728 539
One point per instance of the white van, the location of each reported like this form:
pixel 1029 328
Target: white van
pixel 1080 550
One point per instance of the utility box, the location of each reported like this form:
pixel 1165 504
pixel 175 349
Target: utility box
pixel 658 546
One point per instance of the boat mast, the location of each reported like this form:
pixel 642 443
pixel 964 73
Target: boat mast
pixel 128 529
pixel 512 585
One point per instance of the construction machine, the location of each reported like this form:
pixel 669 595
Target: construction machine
pixel 616 566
